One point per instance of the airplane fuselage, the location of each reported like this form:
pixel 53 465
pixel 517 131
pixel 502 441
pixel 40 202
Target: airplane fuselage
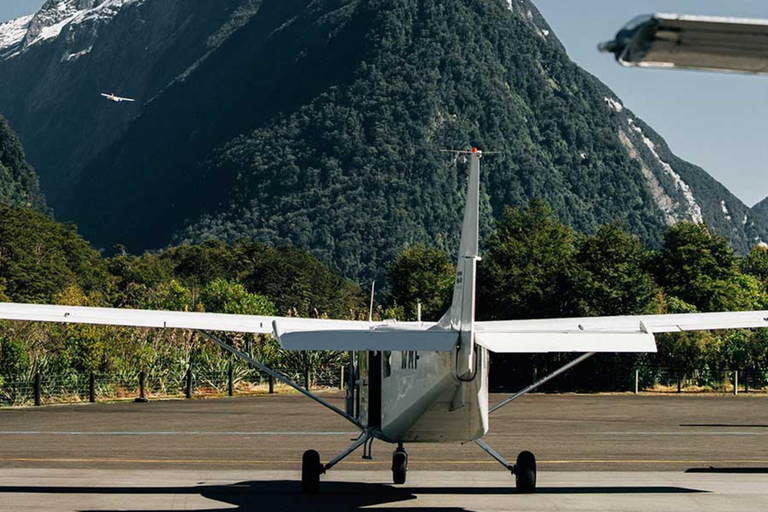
pixel 418 397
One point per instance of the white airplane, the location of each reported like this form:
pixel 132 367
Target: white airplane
pixel 709 43
pixel 418 382
pixel 116 99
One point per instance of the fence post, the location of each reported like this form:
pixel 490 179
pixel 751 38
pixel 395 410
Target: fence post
pixel 746 382
pixel 637 381
pixel 188 390
pixel 306 379
pixel 38 401
pixel 92 388
pixel 679 382
pixel 231 379
pixel 735 382
pixel 271 385
pixel 142 389
pixel 341 382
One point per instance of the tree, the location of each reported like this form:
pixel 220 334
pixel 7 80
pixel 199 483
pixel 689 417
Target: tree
pixel 421 275
pixel 609 277
pixel 756 263
pixel 699 268
pixel 527 266
pixel 14 358
pixel 298 283
pixel 40 258
pixel 230 297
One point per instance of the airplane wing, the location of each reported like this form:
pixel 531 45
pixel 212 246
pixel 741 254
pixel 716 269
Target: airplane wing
pixel 109 96
pixel 292 333
pixel 693 42
pixel 167 319
pixel 125 99
pixel 604 334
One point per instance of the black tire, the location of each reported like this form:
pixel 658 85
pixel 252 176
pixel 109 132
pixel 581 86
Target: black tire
pixel 310 472
pixel 525 473
pixel 399 467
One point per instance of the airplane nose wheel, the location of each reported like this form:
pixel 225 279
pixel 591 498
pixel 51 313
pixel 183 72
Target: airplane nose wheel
pixel 311 469
pixel 525 473
pixel 399 464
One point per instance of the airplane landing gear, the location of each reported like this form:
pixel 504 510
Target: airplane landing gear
pixel 311 469
pixel 399 464
pixel 524 470
pixel 525 473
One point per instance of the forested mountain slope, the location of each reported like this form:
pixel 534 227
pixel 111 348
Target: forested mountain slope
pixel 18 181
pixel 761 208
pixel 320 124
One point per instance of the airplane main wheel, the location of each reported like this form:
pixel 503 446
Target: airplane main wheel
pixel 399 465
pixel 525 473
pixel 310 472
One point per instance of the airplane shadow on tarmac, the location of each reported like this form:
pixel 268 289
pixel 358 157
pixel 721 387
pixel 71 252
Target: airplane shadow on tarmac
pixel 285 496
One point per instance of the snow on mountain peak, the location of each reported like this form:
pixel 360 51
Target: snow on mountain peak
pixel 12 32
pixel 52 18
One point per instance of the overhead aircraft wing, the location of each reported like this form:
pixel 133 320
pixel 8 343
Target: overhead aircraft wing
pixel 604 334
pixel 693 42
pixel 125 99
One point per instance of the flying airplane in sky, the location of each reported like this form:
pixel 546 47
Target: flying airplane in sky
pixel 709 43
pixel 418 382
pixel 116 99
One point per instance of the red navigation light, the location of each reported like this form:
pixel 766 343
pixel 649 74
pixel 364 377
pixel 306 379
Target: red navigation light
pixel 474 150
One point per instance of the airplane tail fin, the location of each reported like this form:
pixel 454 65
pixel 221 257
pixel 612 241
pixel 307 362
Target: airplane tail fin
pixel 461 315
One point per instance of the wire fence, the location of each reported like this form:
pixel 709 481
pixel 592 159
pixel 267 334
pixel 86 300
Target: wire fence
pixel 37 389
pixel 701 380
pixel 41 389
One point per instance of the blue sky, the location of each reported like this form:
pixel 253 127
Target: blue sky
pixel 10 9
pixel 716 121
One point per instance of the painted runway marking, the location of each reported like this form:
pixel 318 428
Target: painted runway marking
pixel 687 434
pixel 165 433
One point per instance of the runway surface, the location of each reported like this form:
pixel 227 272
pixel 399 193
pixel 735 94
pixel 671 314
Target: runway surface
pixel 348 491
pixel 596 452
pixel 566 432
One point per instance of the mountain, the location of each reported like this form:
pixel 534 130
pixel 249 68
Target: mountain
pixel 761 208
pixel 320 124
pixel 19 185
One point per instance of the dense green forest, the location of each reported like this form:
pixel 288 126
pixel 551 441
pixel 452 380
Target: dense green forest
pixel 319 125
pixel 42 261
pixel 19 185
pixel 534 266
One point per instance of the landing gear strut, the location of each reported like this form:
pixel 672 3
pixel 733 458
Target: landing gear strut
pixel 399 464
pixel 312 468
pixel 524 470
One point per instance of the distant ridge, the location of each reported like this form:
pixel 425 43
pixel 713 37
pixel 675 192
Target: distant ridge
pixel 319 124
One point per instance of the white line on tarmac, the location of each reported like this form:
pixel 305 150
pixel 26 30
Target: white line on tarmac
pixel 165 433
pixel 686 434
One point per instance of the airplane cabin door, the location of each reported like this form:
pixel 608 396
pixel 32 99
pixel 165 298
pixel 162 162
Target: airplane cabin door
pixel 370 388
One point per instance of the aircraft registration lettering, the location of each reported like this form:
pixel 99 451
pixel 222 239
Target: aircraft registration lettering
pixel 409 360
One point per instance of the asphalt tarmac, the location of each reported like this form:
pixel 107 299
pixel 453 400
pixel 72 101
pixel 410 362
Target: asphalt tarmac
pixel 595 452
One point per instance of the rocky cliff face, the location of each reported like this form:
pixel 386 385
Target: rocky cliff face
pixel 319 123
